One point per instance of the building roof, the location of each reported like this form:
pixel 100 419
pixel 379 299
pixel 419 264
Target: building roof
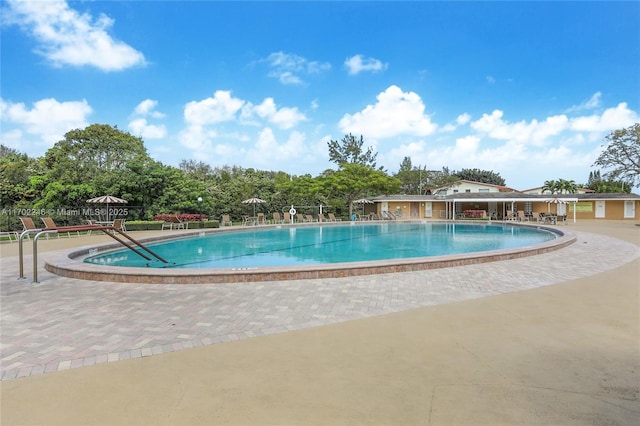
pixel 503 196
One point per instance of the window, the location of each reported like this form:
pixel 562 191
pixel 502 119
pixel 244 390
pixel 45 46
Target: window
pixel 483 190
pixel 467 190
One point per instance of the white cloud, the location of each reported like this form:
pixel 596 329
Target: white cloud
pixel 536 133
pixel 591 103
pixel 198 139
pixel 139 126
pixel 221 107
pixel 67 37
pixel 463 119
pixel 287 68
pixel 43 125
pixel 146 108
pixel 206 136
pixel 611 119
pixel 490 79
pixel 284 118
pixel 396 113
pixel 358 63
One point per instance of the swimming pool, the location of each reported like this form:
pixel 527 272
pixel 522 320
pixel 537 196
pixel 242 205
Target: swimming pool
pixel 71 263
pixel 285 246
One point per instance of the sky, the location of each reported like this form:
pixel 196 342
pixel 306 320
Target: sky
pixel 528 90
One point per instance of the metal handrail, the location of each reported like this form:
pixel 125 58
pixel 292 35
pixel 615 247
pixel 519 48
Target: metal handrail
pixel 108 230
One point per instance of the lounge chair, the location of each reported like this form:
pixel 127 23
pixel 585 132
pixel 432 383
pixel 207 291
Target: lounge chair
pixel 50 224
pixel 300 217
pixel 174 222
pixel 226 220
pixel 10 234
pixel 261 219
pixel 309 218
pixel 332 218
pixel 119 225
pixel 386 215
pixel 29 225
pixel 321 218
pixel 277 218
pixel 286 218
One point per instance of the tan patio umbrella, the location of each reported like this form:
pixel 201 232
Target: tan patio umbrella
pixel 254 201
pixel 362 201
pixel 555 201
pixel 107 199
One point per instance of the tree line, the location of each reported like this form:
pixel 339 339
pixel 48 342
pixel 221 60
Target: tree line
pixel 102 159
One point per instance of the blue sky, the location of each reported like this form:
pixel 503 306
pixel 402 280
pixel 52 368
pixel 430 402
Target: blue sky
pixel 526 89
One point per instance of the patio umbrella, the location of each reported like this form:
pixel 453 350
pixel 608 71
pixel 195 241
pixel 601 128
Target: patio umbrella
pixel 254 201
pixel 107 199
pixel 556 201
pixel 362 201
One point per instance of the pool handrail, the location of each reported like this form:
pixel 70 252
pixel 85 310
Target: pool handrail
pixel 107 229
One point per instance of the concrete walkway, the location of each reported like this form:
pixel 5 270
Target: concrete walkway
pixel 558 343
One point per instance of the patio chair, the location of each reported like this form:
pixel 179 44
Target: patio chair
pixel 50 224
pixel 29 225
pixel 309 218
pixel 119 225
pixel 174 222
pixel 321 217
pixel 261 219
pixel 277 218
pixel 332 218
pixel 286 217
pixel 300 218
pixel 226 220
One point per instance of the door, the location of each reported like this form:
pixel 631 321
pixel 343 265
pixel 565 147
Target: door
pixel 629 209
pixel 428 209
pixel 600 209
pixel 415 210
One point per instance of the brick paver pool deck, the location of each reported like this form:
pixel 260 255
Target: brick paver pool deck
pixel 62 323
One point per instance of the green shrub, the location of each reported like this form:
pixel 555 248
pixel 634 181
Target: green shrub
pixel 143 225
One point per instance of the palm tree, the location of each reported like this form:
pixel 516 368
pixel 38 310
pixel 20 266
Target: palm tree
pixel 566 186
pixel 551 186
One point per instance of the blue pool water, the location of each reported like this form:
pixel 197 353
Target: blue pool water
pixel 306 245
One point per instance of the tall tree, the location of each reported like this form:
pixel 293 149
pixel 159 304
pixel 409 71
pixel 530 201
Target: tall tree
pixel 350 150
pixel 599 185
pixel 477 175
pixel 16 170
pixel 551 186
pixel 413 178
pixel 89 162
pixel 622 155
pixel 567 186
pixel 353 181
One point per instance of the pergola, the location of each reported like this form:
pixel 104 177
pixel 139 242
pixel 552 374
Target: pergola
pixel 451 201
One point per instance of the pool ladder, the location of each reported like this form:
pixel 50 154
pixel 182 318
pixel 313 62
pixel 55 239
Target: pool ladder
pixel 108 230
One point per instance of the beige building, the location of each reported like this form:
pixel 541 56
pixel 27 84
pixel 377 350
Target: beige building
pixel 483 201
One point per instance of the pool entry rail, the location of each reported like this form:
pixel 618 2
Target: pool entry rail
pixel 108 230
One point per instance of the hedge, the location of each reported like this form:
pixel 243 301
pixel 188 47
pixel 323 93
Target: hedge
pixel 150 225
